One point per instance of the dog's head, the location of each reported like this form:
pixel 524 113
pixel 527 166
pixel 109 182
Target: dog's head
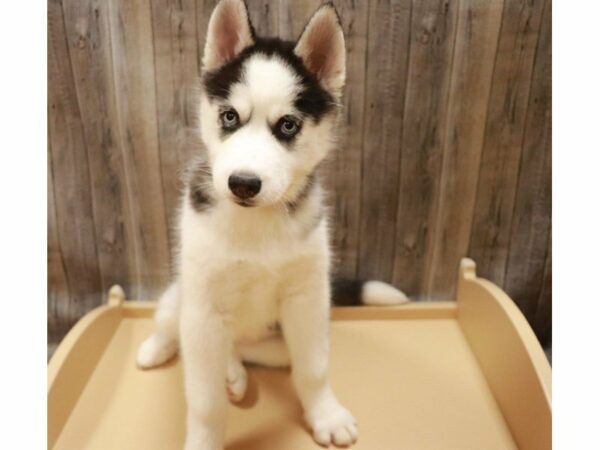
pixel 268 107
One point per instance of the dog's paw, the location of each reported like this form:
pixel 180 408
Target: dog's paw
pixel 237 381
pixel 331 423
pixel 154 351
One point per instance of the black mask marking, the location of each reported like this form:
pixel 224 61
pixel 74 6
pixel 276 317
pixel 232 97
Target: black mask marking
pixel 312 100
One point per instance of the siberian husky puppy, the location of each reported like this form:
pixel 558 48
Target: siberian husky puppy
pixel 253 267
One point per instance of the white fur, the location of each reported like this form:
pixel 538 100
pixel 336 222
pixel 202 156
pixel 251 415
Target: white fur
pixel 380 293
pixel 235 281
pixel 163 344
pixel 266 94
pixel 241 270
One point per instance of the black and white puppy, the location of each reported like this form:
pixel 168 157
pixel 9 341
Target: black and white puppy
pixel 254 248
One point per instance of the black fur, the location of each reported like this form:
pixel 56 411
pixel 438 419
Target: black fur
pixel 199 182
pixel 346 291
pixel 312 101
pixel 293 205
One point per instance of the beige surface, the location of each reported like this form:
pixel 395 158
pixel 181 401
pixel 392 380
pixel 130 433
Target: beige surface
pixel 510 357
pixel 409 375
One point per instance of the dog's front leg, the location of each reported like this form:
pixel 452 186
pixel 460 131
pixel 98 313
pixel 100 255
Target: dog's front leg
pixel 305 323
pixel 204 351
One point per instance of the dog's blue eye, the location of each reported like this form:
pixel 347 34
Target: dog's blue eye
pixel 230 119
pixel 288 127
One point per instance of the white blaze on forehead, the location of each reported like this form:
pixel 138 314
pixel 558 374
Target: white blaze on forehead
pixel 268 88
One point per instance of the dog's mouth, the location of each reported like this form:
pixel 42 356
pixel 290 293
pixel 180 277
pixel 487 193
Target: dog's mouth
pixel 244 203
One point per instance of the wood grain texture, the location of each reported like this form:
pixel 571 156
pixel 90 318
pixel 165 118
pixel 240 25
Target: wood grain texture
pixel 135 89
pixel 433 31
pixel 58 286
pixel 445 143
pixel 507 108
pixel 88 35
pixel 75 228
pixel 475 48
pixel 265 17
pixel 387 62
pixel 542 321
pixel 532 221
pixel 177 70
pixel 342 171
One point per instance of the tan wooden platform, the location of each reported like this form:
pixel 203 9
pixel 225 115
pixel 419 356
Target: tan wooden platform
pixel 456 375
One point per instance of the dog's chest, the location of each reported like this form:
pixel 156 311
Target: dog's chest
pixel 247 262
pixel 247 294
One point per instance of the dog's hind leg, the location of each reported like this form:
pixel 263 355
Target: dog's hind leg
pixel 163 343
pixel 270 352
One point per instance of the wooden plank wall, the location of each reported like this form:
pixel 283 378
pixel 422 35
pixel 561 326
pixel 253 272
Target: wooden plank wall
pixel 446 147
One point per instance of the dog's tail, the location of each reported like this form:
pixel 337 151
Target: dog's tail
pixel 352 292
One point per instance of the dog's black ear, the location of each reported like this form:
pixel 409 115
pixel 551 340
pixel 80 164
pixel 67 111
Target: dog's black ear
pixel 323 50
pixel 229 32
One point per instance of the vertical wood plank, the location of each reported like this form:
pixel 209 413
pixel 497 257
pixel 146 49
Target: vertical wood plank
pixel 284 19
pixel 294 15
pixel 135 89
pixel 532 219
pixel 433 28
pixel 503 137
pixel 70 175
pixel 58 286
pixel 342 170
pixel 387 57
pixel 542 321
pixel 177 72
pixel 264 15
pixel 87 30
pixel 288 20
pixel 476 40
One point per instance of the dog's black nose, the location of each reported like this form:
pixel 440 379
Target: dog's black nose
pixel 244 185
